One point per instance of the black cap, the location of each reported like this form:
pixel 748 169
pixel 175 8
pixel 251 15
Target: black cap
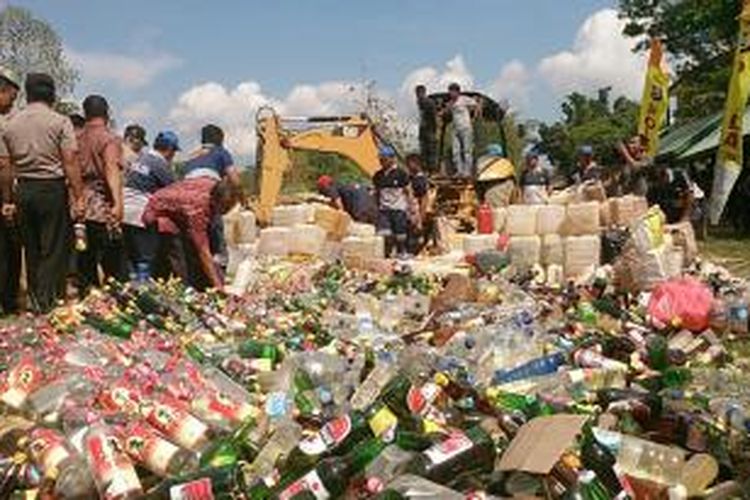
pixel 136 132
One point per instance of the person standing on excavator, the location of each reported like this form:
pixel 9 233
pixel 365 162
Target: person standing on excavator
pixel 462 109
pixel 427 128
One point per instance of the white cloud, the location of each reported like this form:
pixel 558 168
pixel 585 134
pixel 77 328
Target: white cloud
pixel 127 71
pixel 137 112
pixel 436 79
pixel 512 84
pixel 600 56
pixel 234 109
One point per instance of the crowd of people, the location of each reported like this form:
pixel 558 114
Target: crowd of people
pixel 397 201
pixel 71 183
pixel 83 205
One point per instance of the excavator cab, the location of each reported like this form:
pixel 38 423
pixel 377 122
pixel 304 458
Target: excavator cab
pixel 454 197
pixel 350 136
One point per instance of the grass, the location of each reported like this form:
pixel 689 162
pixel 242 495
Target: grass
pixel 730 251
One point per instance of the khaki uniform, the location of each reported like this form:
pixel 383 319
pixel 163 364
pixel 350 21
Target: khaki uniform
pixel 34 140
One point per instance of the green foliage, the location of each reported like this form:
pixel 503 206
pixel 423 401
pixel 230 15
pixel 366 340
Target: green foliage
pixel 309 165
pixel 589 121
pixel 700 35
pixel 28 44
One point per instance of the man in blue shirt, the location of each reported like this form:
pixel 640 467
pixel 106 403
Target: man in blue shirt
pixel 354 199
pixel 214 161
pixel 151 172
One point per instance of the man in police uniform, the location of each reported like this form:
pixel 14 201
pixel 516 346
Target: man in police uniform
pixel 39 169
pixel 10 245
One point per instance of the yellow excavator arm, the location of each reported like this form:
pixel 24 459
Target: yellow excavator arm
pixel 352 137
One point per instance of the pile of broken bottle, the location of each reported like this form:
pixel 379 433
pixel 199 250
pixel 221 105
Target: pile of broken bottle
pixel 324 382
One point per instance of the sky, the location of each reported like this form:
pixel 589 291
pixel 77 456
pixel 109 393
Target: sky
pixel 180 64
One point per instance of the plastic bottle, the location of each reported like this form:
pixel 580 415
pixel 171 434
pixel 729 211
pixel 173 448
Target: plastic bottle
pixel 59 461
pixel 413 486
pixel 179 425
pixel 111 467
pixel 282 441
pixel 698 473
pixel 368 391
pixel 534 368
pixel 737 313
pixel 147 447
pixel 644 459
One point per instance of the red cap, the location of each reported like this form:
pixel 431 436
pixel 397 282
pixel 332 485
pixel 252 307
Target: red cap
pixel 324 182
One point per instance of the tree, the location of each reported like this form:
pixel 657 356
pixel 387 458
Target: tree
pixel 700 36
pixel 592 121
pixel 29 44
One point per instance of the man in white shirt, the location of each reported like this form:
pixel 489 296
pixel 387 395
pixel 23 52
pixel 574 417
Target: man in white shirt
pixel 462 109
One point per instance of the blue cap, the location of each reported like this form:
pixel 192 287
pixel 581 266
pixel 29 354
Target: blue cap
pixel 586 150
pixel 495 150
pixel 387 151
pixel 167 140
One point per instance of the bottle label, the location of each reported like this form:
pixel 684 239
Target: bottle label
pixel 332 434
pixel 111 466
pixel 181 426
pixel 418 399
pixel 383 421
pixel 121 398
pixel 220 405
pixel 194 490
pixel 21 381
pixel 48 448
pixel 456 444
pixel 148 448
pixel 309 482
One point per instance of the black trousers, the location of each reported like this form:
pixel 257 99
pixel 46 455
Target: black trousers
pixel 102 250
pixel 45 230
pixel 10 267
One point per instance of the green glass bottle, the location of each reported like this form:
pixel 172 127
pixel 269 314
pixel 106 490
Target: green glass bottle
pixel 601 461
pixel 658 352
pixel 591 488
pixel 114 328
pixel 330 478
pixel 231 449
pixel 459 453
pixel 256 349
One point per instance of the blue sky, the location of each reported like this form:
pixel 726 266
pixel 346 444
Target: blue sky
pixel 178 63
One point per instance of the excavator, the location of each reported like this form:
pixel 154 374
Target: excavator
pixel 356 138
pixel 350 136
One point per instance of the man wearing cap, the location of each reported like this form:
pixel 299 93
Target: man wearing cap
pixel 10 243
pixel 151 172
pixel 354 199
pixel 134 140
pixel 100 154
pixel 38 150
pixel 393 197
pixel 588 170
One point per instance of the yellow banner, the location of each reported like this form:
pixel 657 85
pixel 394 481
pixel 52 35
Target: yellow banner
pixel 729 157
pixel 655 100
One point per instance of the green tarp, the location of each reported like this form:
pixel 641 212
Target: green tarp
pixel 696 138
